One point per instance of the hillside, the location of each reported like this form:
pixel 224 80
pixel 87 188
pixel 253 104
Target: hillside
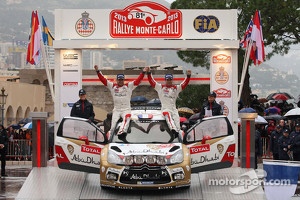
pixel 15 14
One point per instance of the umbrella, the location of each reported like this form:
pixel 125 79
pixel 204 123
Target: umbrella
pixel 27 126
pixel 15 126
pixel 193 119
pixel 273 117
pixel 247 110
pixel 293 113
pixel 280 96
pixel 139 99
pixel 271 96
pixel 185 111
pixel 272 110
pixel 154 102
pixel 25 120
pixel 182 119
pixel 258 120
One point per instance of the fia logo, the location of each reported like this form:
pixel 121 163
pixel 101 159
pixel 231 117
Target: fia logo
pixel 208 24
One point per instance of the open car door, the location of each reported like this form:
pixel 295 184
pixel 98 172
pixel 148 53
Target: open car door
pixel 78 145
pixel 211 143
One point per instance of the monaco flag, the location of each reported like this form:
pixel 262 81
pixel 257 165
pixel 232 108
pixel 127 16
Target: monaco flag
pixel 257 53
pixel 34 46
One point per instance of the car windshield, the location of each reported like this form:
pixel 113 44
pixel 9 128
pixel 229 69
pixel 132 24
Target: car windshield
pixel 146 132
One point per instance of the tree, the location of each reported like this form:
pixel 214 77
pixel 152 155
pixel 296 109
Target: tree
pixel 280 21
pixel 193 96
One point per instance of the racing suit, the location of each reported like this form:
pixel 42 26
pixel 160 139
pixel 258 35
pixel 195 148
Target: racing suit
pixel 121 98
pixel 168 96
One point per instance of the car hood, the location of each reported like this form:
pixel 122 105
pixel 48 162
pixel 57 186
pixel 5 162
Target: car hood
pixel 145 149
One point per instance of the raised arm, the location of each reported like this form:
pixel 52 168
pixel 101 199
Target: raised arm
pixel 150 78
pixel 139 79
pixel 100 75
pixel 186 81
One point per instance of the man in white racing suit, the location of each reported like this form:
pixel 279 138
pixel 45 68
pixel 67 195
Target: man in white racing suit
pixel 168 94
pixel 121 93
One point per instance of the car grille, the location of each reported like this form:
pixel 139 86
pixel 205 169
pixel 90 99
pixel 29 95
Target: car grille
pixel 143 175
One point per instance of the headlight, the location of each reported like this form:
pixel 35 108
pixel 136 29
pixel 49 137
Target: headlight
pixel 112 157
pixel 161 160
pixel 128 160
pixel 150 159
pixel 139 159
pixel 177 157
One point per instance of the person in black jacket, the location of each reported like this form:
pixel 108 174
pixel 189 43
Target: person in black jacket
pixel 83 108
pixel 295 141
pixel 3 149
pixel 211 107
pixel 258 144
pixel 275 135
pixel 284 143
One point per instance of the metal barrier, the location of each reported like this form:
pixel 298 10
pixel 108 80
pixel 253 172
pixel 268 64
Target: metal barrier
pixel 266 147
pixel 20 149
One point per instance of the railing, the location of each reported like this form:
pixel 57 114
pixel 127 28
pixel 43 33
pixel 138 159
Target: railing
pixel 266 147
pixel 21 149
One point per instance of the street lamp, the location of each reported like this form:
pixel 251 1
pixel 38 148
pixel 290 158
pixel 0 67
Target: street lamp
pixel 2 103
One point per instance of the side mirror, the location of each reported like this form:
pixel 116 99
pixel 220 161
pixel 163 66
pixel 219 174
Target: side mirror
pixel 85 139
pixel 205 137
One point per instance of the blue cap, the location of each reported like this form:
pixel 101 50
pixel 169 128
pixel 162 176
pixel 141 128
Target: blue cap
pixel 169 76
pixel 120 76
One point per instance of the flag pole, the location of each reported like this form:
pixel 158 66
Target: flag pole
pixel 48 72
pixel 245 67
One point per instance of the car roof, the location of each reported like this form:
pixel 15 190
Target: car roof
pixel 147 112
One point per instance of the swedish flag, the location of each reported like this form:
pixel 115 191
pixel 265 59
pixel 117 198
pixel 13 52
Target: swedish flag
pixel 47 36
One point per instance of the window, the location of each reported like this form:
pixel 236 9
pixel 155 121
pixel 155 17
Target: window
pixel 76 129
pixel 215 127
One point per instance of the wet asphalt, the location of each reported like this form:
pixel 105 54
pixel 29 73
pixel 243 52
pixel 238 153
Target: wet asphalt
pixel 16 176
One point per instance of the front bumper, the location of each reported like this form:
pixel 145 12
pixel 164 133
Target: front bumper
pixel 145 176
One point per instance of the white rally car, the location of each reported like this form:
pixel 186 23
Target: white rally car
pixel 149 155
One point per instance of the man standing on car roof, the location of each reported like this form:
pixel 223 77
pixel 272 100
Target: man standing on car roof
pixel 121 94
pixel 168 94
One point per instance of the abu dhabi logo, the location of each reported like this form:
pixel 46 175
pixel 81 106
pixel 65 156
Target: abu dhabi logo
pixel 247 182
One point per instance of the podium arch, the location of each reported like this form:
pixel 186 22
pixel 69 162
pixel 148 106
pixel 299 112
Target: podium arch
pixel 103 29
